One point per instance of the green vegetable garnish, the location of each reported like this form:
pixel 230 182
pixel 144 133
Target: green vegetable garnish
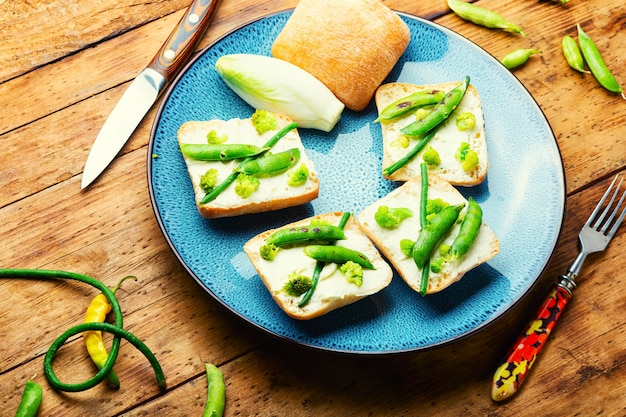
pixel 245 185
pixel 390 218
pixel 264 121
pixel 299 176
pixel 353 273
pixel 297 285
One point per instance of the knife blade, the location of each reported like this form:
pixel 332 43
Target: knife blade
pixel 146 88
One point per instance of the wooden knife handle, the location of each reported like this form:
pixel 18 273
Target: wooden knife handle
pixel 182 41
pixel 511 373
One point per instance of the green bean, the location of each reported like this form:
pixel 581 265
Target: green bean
pixel 337 254
pixel 440 112
pixel 596 63
pixel 432 233
pixel 410 155
pixel 470 226
pixel 229 180
pixel 483 17
pixel 319 265
pixel 411 102
pixel 270 164
pixel 309 234
pixel 572 54
pixel 31 400
pixel 423 213
pixel 219 152
pixel 518 57
pixel 216 392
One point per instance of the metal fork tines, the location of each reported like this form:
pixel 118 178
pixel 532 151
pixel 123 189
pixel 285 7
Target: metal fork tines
pixel 599 229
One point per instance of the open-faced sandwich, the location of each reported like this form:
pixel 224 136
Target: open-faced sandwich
pixel 453 241
pixel 243 166
pixel 318 264
pixel 458 150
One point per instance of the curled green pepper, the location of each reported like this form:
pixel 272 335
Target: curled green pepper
pixel 31 400
pixel 411 102
pixel 470 226
pixel 219 152
pixel 270 164
pixel 337 254
pixel 432 233
pixel 309 234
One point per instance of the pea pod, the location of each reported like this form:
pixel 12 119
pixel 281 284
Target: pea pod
pixel 469 230
pixel 483 17
pixel 310 234
pixel 219 152
pixel 337 254
pixel 596 63
pixel 31 400
pixel 440 112
pixel 216 392
pixel 270 164
pixel 411 102
pixel 572 54
pixel 518 57
pixel 432 233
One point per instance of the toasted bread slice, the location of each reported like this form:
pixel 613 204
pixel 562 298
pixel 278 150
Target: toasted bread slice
pixel 333 290
pixel 484 248
pixel 446 142
pixel 273 192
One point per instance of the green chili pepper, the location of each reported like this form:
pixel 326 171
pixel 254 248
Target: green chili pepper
pixel 411 102
pixel 440 112
pixel 270 164
pixel 219 152
pixel 518 57
pixel 483 17
pixel 596 63
pixel 572 54
pixel 31 400
pixel 432 233
pixel 423 213
pixel 216 392
pixel 319 265
pixel 310 234
pixel 337 254
pixel 229 180
pixel 470 226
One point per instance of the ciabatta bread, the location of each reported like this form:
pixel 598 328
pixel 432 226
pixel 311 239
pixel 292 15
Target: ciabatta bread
pixel 333 290
pixel 349 45
pixel 484 248
pixel 446 142
pixel 273 193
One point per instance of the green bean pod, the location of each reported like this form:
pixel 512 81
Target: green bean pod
pixel 572 54
pixel 337 254
pixel 270 164
pixel 518 57
pixel 483 17
pixel 411 102
pixel 470 226
pixel 596 63
pixel 219 152
pixel 440 112
pixel 432 233
pixel 216 392
pixel 310 234
pixel 31 400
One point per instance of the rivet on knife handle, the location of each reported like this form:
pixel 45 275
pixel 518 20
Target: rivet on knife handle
pixel 183 39
pixel 511 373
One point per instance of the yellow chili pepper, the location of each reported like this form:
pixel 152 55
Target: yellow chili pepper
pixel 97 312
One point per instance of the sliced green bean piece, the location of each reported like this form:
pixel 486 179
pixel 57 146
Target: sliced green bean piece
pixel 216 392
pixel 596 63
pixel 411 102
pixel 432 233
pixel 309 234
pixel 483 17
pixel 423 205
pixel 270 164
pixel 337 254
pixel 572 54
pixel 219 152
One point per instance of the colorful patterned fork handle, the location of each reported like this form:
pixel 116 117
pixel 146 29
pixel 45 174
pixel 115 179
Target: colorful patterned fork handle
pixel 511 373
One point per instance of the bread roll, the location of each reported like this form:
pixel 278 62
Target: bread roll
pixel 349 45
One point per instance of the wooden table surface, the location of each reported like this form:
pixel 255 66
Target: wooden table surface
pixel 64 65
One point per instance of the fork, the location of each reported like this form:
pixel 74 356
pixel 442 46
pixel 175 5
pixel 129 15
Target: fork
pixel 594 236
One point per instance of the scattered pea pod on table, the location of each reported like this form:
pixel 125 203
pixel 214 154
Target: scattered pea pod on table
pixel 31 400
pixel 518 57
pixel 216 392
pixel 483 17
pixel 596 63
pixel 572 54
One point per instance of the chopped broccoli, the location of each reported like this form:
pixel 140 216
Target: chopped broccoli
pixel 297 285
pixel 268 252
pixel 434 206
pixel 406 246
pixel 299 176
pixel 353 273
pixel 401 141
pixel 390 218
pixel 246 185
pixel 209 180
pixel 467 157
pixel 437 264
pixel 431 156
pixel 264 121
pixel 465 121
pixel 213 138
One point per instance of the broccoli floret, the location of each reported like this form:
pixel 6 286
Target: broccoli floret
pixel 213 138
pixel 465 121
pixel 264 121
pixel 246 185
pixel 401 141
pixel 406 246
pixel 390 218
pixel 299 176
pixel 209 180
pixel 268 252
pixel 297 285
pixel 467 157
pixel 353 273
pixel 437 264
pixel 434 206
pixel 431 157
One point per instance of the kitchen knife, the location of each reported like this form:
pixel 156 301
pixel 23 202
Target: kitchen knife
pixel 144 91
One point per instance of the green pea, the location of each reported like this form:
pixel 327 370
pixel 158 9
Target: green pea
pixel 596 63
pixel 482 16
pixel 411 102
pixel 518 57
pixel 309 234
pixel 219 152
pixel 432 233
pixel 337 254
pixel 470 226
pixel 270 164
pixel 572 54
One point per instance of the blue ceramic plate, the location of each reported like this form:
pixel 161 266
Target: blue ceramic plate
pixel 523 198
